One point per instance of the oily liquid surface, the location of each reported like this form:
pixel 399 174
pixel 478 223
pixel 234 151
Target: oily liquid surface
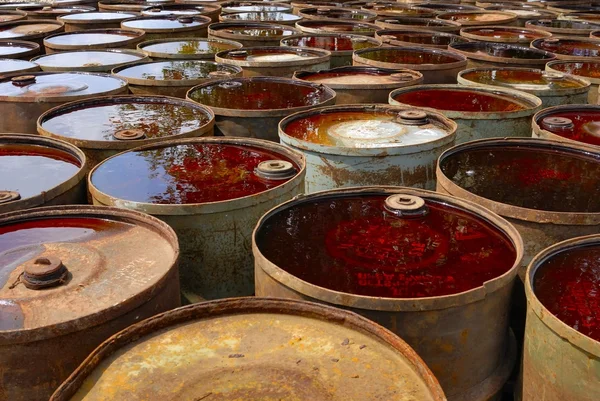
pixel 479 17
pixel 266 55
pixel 189 47
pixel 102 121
pixel 261 16
pixel 505 33
pixel 337 26
pixel 568 285
pixel 82 38
pixel 353 245
pixel 529 177
pixel 427 38
pixel 160 24
pixel 520 79
pixel 172 70
pixel 104 16
pixel 500 50
pixel 462 100
pixel 417 22
pixel 185 174
pixel 31 169
pixel 403 56
pixel 87 58
pixel 582 69
pixel 13 49
pixel 586 126
pixel 330 43
pixel 571 47
pixel 258 95
pixel 258 32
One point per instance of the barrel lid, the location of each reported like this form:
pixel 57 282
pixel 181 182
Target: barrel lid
pixel 563 26
pixel 177 9
pixel 483 17
pixel 14 6
pixel 92 37
pixel 524 13
pixel 587 69
pixel 7 16
pixel 175 72
pixel 417 37
pixel 270 54
pixel 130 5
pixel 579 123
pixel 410 55
pixel 193 172
pixel 59 86
pixel 261 16
pixel 17 48
pixel 447 7
pixel 249 30
pixel 591 16
pixel 254 6
pixel 186 47
pixel 575 47
pixel 32 167
pixel 394 243
pixel 93 17
pixel 259 349
pixel 334 42
pixel 339 26
pixel 54 11
pixel 68 268
pixel 399 9
pixel 88 58
pixel 503 34
pixel 358 77
pixel 166 23
pixel 426 22
pixel 29 28
pixel 98 121
pixel 337 13
pixel 9 66
pixel 260 94
pixel 503 52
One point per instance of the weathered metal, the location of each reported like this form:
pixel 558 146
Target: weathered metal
pixel 418 24
pixel 214 235
pixel 211 11
pixel 40 172
pixel 23 98
pixel 554 123
pixel 553 88
pixel 581 68
pixel 361 85
pixel 173 77
pixel 169 26
pixel 49 11
pixel 564 27
pixel 463 337
pixel 271 349
pixel 412 37
pixel 337 13
pixel 275 61
pixel 94 20
pixel 88 60
pixel 30 30
pixel 479 18
pixel 9 15
pixel 558 361
pixel 186 48
pixel 10 66
pixel 437 66
pixel 93 39
pixel 18 49
pixel 376 144
pixel 130 5
pixel 524 12
pixel 337 26
pixel 251 34
pixel 109 286
pixel 480 111
pixel 264 17
pixel 156 118
pixel 341 45
pixel 570 48
pixel 240 6
pixel 503 34
pixel 539 228
pixel 489 54
pixel 252 107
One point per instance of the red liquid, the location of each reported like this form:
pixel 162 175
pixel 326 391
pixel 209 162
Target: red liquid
pixel 417 22
pixel 534 177
pixel 570 47
pixel 502 50
pixel 330 43
pixel 186 174
pixel 583 69
pixel 405 56
pixel 426 38
pixel 353 245
pixel 516 77
pixel 568 285
pixel 505 33
pixel 462 100
pixel 586 126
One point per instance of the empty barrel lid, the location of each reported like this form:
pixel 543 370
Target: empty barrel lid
pixel 539 174
pixel 357 77
pixel 584 68
pixel 88 60
pixel 12 66
pixel 95 17
pixel 530 80
pixel 334 42
pixel 186 48
pixel 93 38
pixel 194 171
pixel 254 349
pixel 29 29
pixel 115 122
pixel 175 72
pixel 504 53
pixel 68 268
pixel 58 86
pixel 168 23
pixel 385 242
pixel 18 49
pixel 570 47
pixel 503 34
pixel 579 123
pixel 36 170
pixel 366 127
pixel 483 17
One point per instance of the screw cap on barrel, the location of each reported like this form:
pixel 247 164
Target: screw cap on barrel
pixel 558 122
pixel 129 134
pixel 406 205
pixel 9 196
pixel 413 117
pixel 275 170
pixel 23 80
pixel 44 272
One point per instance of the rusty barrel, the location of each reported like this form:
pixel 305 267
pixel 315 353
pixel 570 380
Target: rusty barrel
pixel 337 13
pixel 169 26
pixel 254 349
pixel 256 34
pixel 105 126
pixel 524 11
pixel 503 34
pixel 337 26
pixel 211 11
pixel 479 111
pixel 354 85
pixel 30 30
pixel 41 11
pixel 173 77
pixel 136 6
pixel 186 48
pixel 577 123
pixel 561 357
pixel 18 49
pixel 436 270
pixel 89 60
pixel 40 171
pixel 253 107
pixel 9 66
pixel 12 15
pixel 395 9
pixel 412 37
pixel 72 277
pixel 93 39
pixel 490 54
pixel 553 88
pixel 583 68
pixel 559 27
pixel 479 17
pixel 287 19
pixel 418 24
pixel 570 48
pixel 375 144
pixel 94 20
pixel 240 6
pixel 23 98
pixel 211 191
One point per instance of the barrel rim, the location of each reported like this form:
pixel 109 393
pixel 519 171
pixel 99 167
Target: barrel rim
pixel 562 31
pixel 136 36
pixel 67 21
pixel 509 17
pixel 311 13
pixel 593 81
pixel 548 56
pixel 203 23
pixel 217 29
pixel 397 42
pixel 39 35
pixel 33 48
pixel 312 26
pixel 569 57
pixel 320 56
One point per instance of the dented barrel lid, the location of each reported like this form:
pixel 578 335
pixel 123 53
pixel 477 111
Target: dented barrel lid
pixel 121 120
pixel 93 37
pixel 186 48
pixel 503 34
pixel 360 28
pixel 193 171
pixel 95 17
pixel 18 49
pixel 387 242
pixel 251 30
pixel 58 86
pixel 264 16
pixel 358 77
pixel 503 53
pixel 36 170
pixel 271 55
pixel 483 17
pixel 68 268
pixel 254 349
pixel 411 37
pixel 579 123
pixel 168 23
pixel 88 60
pixel 365 127
pixel 12 66
pixel 569 47
pixel 29 29
pixel 334 42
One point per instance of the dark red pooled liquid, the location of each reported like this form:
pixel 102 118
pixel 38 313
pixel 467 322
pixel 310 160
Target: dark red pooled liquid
pixel 571 47
pixel 568 285
pixel 461 100
pixel 585 128
pixel 186 174
pixel 352 244
pixel 400 55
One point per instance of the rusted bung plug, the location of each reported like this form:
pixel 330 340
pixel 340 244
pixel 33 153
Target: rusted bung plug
pixel 185 19
pixel 9 196
pixel 402 76
pixel 129 134
pixel 275 170
pixel 413 117
pixel 238 54
pixel 219 74
pixel 44 272
pixel 404 205
pixel 557 123
pixel 23 80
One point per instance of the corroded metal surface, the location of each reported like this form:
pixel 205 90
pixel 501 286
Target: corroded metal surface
pixel 45 334
pixel 253 349
pixel 463 338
